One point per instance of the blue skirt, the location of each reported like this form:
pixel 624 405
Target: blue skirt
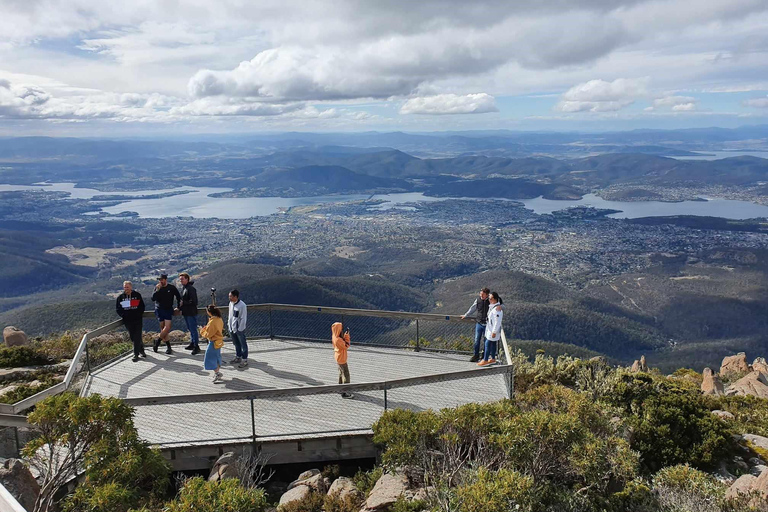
pixel 212 357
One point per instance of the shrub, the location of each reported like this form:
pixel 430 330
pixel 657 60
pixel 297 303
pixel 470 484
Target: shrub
pixel 350 503
pixel 750 412
pixel 312 502
pixel 61 347
pixel 26 390
pixel 494 491
pixel 637 496
pixel 199 495
pixel 105 353
pixel 15 357
pixel 685 488
pixel 365 480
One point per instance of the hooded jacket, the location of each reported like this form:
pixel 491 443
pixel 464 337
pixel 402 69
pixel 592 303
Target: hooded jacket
pixel 130 307
pixel 340 344
pixel 495 316
pixel 189 300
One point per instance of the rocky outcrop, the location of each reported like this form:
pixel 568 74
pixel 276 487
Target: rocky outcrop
pixel 19 481
pixel 312 479
pixel 343 487
pixel 746 484
pixel 639 366
pixel 742 485
pixel 754 383
pixel 14 337
pixel 711 383
pixel 297 493
pixel 223 468
pixel 760 365
pixel 386 492
pixel 734 365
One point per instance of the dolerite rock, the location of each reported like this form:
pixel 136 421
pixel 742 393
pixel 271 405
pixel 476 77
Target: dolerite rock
pixel 343 487
pixel 742 485
pixel 305 477
pixel 755 440
pixel 297 493
pixel 386 491
pixel 14 337
pixel 711 383
pixel 725 415
pixel 639 366
pixel 754 384
pixel 223 468
pixel 749 483
pixel 760 365
pixel 18 480
pixel 734 365
pixel 177 336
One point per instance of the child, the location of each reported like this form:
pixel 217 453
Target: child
pixel 213 332
pixel 340 347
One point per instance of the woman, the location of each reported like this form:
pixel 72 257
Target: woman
pixel 213 331
pixel 492 329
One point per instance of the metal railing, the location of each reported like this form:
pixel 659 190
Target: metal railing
pixel 417 331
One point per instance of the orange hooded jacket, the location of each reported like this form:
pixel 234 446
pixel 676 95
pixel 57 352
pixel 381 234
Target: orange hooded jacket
pixel 340 344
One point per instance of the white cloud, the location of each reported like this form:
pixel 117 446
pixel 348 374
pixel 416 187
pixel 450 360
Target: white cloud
pixel 757 102
pixel 603 96
pixel 675 103
pixel 479 103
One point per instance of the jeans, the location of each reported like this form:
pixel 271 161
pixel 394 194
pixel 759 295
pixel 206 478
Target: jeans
pixel 192 326
pixel 479 332
pixel 241 346
pixel 490 349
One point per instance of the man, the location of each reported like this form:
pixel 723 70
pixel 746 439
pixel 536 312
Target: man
pixel 480 309
pixel 130 307
pixel 188 307
pixel 163 298
pixel 238 315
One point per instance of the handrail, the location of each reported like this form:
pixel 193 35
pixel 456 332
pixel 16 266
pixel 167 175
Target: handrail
pixel 318 390
pixel 8 503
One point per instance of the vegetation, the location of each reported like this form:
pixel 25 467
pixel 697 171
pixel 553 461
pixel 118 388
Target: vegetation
pixel 199 495
pixel 15 357
pixel 23 391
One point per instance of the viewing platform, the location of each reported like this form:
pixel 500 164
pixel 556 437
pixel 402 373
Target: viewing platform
pixel 286 402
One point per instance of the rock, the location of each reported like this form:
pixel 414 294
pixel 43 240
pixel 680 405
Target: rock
pixel 723 414
pixel 758 469
pixel 742 485
pixel 297 493
pixel 8 389
pixel 304 477
pixel 741 465
pixel 760 365
pixel 756 461
pixel 711 383
pixel 754 440
pixel 343 487
pixel 14 337
pixel 223 468
pixel 18 480
pixel 761 484
pixel 754 383
pixel 316 483
pixel 386 491
pixel 639 366
pixel 177 336
pixel 734 365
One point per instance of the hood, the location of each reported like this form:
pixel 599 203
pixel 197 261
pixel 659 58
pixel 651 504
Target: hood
pixel 336 330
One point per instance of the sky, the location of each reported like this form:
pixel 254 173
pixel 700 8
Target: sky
pixel 146 67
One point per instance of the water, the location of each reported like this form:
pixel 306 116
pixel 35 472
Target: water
pixel 197 203
pixel 717 155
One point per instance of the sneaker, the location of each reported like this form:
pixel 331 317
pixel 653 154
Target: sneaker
pixel 168 350
pixel 196 350
pixel 135 359
pixel 484 363
pixel 235 360
pixel 191 346
pixel 143 354
pixel 474 359
pixel 156 344
pixel 243 364
pixel 347 395
pixel 491 361
pixel 218 378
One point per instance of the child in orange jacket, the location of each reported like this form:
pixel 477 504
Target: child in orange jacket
pixel 340 348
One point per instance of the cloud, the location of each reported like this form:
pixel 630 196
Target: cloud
pixel 603 96
pixel 674 103
pixel 439 104
pixel 757 102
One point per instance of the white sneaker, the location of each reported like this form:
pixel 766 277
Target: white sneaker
pixel 218 378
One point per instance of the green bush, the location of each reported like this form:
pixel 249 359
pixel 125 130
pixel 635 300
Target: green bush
pixel 26 390
pixel 670 421
pixel 105 353
pixel 682 487
pixel 16 357
pixel 365 480
pixel 750 412
pixel 494 491
pixel 637 496
pixel 199 495
pixel 61 347
pixel 350 503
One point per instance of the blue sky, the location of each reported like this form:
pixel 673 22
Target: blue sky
pixel 82 67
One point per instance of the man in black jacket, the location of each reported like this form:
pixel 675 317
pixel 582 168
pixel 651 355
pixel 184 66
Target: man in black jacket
pixel 188 307
pixel 130 307
pixel 163 298
pixel 480 309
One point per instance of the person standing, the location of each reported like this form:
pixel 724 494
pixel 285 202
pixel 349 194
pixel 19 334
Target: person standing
pixel 340 349
pixel 492 329
pixel 188 307
pixel 480 309
pixel 130 307
pixel 238 317
pixel 214 333
pixel 163 298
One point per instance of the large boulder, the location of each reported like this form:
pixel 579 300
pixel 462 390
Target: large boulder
pixel 386 491
pixel 14 337
pixel 760 365
pixel 343 487
pixel 755 440
pixel 734 365
pixel 297 493
pixel 20 482
pixel 711 383
pixel 639 366
pixel 223 468
pixel 750 484
pixel 308 478
pixel 177 336
pixel 754 383
pixel 742 485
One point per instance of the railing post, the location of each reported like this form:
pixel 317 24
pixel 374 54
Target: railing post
pixel 509 380
pixel 418 347
pixel 385 396
pixel 16 439
pixel 253 422
pixel 271 331
pixel 87 358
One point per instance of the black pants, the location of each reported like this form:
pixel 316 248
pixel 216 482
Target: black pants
pixel 134 328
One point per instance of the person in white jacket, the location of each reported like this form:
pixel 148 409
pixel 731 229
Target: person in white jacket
pixel 236 321
pixel 492 329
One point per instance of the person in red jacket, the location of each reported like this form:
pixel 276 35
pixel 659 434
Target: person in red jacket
pixel 340 348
